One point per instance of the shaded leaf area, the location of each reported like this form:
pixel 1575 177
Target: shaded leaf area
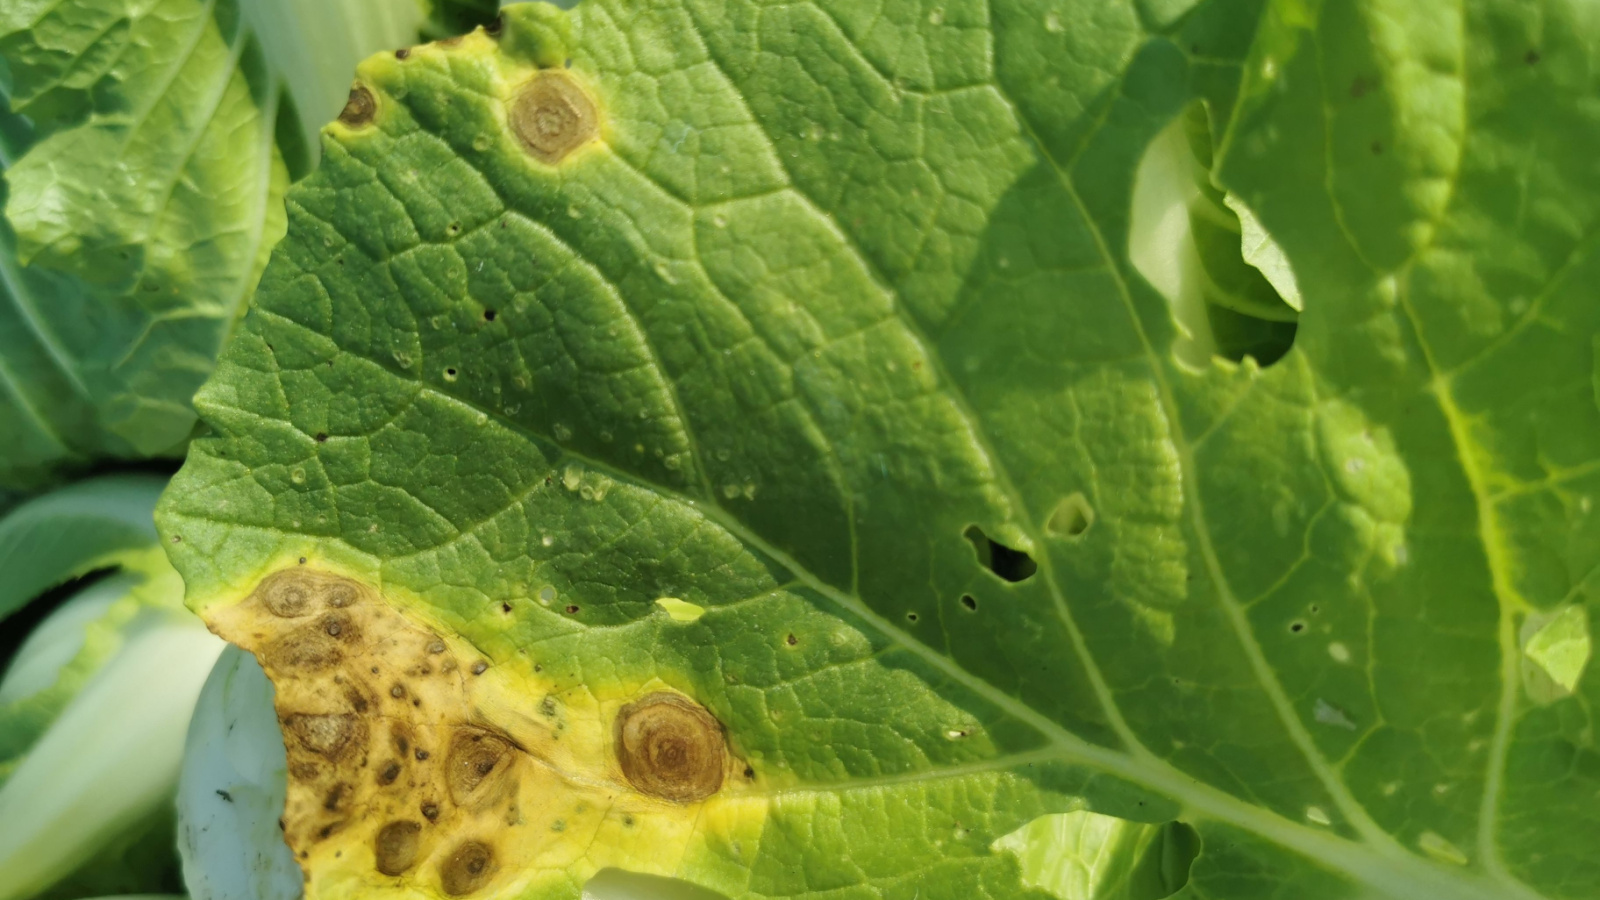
pixel 829 287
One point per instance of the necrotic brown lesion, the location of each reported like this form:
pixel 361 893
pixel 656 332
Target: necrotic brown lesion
pixel 467 869
pixel 395 847
pixel 670 747
pixel 360 109
pixel 553 116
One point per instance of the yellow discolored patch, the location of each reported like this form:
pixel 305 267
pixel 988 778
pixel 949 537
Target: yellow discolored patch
pixel 418 769
pixel 553 116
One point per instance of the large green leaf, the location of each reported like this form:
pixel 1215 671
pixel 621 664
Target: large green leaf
pixel 815 389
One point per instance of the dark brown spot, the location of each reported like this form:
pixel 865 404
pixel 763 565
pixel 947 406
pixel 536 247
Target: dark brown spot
pixel 395 847
pixel 493 28
pixel 467 869
pixel 430 811
pixel 389 774
pixel 322 437
pixel 478 768
pixel 397 691
pixel 572 610
pixel 489 314
pixel 791 640
pixel 421 754
pixel 402 53
pixel 480 667
pixel 334 796
pixel 670 747
pixel 553 117
pixel 436 647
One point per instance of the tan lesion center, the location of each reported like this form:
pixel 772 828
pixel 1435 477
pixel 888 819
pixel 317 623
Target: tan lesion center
pixel 553 116
pixel 397 773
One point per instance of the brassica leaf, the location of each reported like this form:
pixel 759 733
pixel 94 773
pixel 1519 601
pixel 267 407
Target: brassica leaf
pixel 821 319
pixel 145 152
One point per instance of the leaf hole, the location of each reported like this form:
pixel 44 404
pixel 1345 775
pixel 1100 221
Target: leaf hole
pixel 1297 626
pixel 970 602
pixel 450 374
pixel 1071 518
pixel 489 315
pixel 1008 563
pixel 1085 854
pixel 911 617
pixel 1227 282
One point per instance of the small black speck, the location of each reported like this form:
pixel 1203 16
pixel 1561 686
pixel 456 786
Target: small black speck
pixel 572 610
pixel 1297 627
pixel 302 560
pixel 421 754
pixel 505 608
pixel 322 437
pixel 628 821
pixel 911 617
pixel 430 811
pixel 450 372
pixel 749 772
pixel 225 795
pixel 791 640
pixel 489 314
pixel 402 53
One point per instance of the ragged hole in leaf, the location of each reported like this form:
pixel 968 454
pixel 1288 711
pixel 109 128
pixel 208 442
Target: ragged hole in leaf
pixel 680 610
pixel 617 884
pixel 1008 563
pixel 1227 281
pixel 1089 856
pixel 1071 518
pixel 1556 648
